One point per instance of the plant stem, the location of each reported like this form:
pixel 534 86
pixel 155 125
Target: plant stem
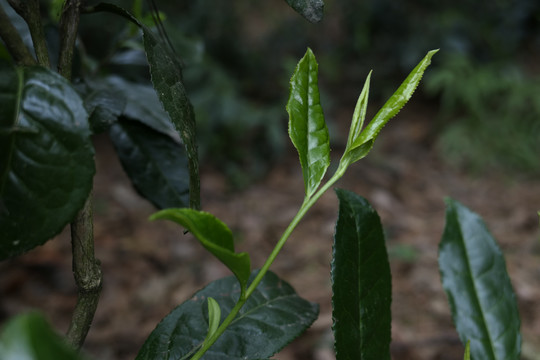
pixel 87 274
pixel 85 266
pixel 14 42
pixel 29 11
pixel 306 205
pixel 69 24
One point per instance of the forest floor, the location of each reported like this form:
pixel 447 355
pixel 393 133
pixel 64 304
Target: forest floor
pixel 149 268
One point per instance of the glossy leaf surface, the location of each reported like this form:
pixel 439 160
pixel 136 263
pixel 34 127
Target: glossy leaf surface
pixel 473 274
pixel 312 10
pixel 271 318
pixel 155 163
pixel 361 282
pixel 395 103
pixel 214 235
pixel 30 337
pixel 307 128
pixel 46 157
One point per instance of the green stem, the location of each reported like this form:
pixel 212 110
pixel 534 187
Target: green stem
pixel 306 205
pixel 14 42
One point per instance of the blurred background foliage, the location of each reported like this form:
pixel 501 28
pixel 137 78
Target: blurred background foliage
pixel 238 57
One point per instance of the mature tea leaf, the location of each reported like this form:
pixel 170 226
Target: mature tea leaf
pixel 307 128
pixel 214 235
pixel 473 274
pixel 311 10
pixel 30 337
pixel 271 318
pixel 46 157
pixel 155 163
pixel 139 102
pixel 395 103
pixel 361 282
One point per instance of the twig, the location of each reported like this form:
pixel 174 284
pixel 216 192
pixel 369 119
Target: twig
pixel 29 11
pixel 13 41
pixel 87 275
pixel 69 24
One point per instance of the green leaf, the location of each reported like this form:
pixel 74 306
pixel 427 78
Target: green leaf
pixel 473 274
pixel 467 355
pixel 351 153
pixel 395 103
pixel 46 157
pixel 307 128
pixel 166 74
pixel 140 102
pixel 214 317
pixel 104 108
pixel 214 235
pixel 30 337
pixel 361 282
pixel 155 163
pixel 271 318
pixel 311 10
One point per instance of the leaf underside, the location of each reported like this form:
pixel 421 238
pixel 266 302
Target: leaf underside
pixel 271 318
pixel 473 274
pixel 311 10
pixel 361 282
pixel 46 157
pixel 155 163
pixel 307 128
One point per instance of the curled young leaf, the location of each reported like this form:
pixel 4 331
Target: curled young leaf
pixel 307 128
pixel 214 316
pixel 214 235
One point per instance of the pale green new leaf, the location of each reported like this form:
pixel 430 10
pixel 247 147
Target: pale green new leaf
pixel 214 235
pixel 307 128
pixel 214 316
pixel 395 103
pixel 467 355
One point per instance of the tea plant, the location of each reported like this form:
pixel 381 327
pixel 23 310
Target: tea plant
pixel 45 124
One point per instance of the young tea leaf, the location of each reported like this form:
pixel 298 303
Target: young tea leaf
pixel 361 282
pixel 46 157
pixel 473 274
pixel 395 103
pixel 467 355
pixel 214 316
pixel 272 317
pixel 155 163
pixel 214 235
pixel 307 128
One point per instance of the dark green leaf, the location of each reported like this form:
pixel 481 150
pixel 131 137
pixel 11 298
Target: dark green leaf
pixel 214 235
pixel 473 274
pixel 140 102
pixel 361 282
pixel 312 10
pixel 104 108
pixel 271 318
pixel 166 73
pixel 307 128
pixel 30 337
pixel 46 157
pixel 155 163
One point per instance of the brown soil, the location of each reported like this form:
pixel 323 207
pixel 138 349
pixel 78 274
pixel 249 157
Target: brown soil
pixel 151 267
